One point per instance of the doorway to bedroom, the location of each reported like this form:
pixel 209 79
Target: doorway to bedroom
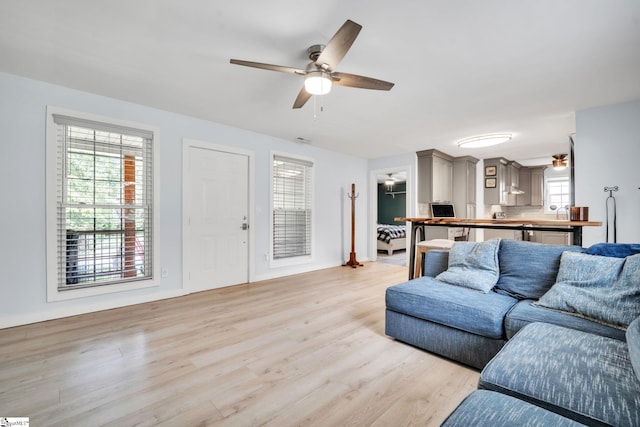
pixel 391 201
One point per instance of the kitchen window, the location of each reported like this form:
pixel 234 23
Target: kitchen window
pixel 558 193
pixel 100 206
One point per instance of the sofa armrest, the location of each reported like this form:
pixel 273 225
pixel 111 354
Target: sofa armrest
pixel 435 262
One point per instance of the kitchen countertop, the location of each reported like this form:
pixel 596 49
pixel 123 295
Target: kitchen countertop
pixel 558 225
pixel 506 222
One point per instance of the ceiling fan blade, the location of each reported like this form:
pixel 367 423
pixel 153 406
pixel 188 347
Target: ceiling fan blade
pixel 271 67
pixel 302 98
pixel 339 45
pixel 354 80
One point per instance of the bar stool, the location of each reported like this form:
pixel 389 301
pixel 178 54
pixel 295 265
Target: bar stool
pixel 424 247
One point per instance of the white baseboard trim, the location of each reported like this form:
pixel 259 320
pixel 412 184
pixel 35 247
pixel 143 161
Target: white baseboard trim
pixel 297 270
pixel 58 313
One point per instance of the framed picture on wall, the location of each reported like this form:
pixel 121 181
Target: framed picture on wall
pixel 489 183
pixel 490 171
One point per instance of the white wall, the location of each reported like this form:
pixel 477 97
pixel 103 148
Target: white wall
pixel 607 151
pixel 22 220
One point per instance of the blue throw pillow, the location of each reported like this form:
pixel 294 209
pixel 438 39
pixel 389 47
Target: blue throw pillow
pixel 618 250
pixel 473 265
pixel 604 289
pixel 633 341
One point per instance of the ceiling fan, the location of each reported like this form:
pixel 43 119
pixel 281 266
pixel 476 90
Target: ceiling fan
pixel 559 161
pixel 320 73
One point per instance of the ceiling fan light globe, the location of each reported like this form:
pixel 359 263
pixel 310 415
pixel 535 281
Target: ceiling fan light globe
pixel 559 164
pixel 317 83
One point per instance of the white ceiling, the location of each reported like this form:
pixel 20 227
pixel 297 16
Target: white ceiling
pixel 460 67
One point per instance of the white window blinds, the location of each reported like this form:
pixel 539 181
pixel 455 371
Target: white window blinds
pixel 104 203
pixel 292 197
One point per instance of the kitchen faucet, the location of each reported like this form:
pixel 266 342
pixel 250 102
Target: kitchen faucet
pixel 566 211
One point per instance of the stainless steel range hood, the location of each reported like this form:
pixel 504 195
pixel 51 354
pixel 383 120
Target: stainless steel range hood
pixel 515 190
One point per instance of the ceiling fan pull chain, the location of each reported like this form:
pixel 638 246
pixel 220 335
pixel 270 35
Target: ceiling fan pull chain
pixel 315 112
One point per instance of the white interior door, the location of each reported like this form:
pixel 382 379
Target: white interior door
pixel 217 205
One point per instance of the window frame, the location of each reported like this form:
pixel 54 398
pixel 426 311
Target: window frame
pixel 51 173
pixel 554 179
pixel 299 259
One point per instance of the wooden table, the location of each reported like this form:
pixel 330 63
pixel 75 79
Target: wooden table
pixel 418 225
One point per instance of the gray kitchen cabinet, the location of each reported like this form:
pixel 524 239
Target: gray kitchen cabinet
pixel 492 233
pixel 537 186
pixel 464 181
pixel 495 184
pixel 464 188
pixel 524 199
pixel 513 182
pixel 552 237
pixel 532 186
pixel 435 177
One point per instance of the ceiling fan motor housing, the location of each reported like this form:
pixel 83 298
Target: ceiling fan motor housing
pixel 314 51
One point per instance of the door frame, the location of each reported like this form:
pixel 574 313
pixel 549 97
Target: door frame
pixel 187 144
pixel 373 205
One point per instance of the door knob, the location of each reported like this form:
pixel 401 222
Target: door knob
pixel 245 226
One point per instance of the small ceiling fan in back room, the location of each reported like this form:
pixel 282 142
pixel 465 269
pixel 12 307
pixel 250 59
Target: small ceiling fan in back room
pixel 320 73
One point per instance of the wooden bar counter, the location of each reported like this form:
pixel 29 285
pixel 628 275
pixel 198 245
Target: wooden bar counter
pixel 418 225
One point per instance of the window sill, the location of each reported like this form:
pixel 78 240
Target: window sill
pixel 53 294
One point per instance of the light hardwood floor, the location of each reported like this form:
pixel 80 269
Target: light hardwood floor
pixel 308 349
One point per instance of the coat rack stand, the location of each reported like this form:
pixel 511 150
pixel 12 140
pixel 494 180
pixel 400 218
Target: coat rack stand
pixel 353 262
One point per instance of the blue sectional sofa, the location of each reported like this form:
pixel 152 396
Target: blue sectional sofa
pixel 552 328
pixel 470 326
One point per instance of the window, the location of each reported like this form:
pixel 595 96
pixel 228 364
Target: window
pixel 558 192
pixel 291 198
pixel 104 205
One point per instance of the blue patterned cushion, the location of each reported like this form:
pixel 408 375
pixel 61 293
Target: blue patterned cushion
pixel 576 374
pixel 528 269
pixel 484 408
pixel 525 312
pixel 473 265
pixel 602 288
pixel 633 341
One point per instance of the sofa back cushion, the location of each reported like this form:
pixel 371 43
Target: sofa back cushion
pixel 633 341
pixel 528 269
pixel 435 262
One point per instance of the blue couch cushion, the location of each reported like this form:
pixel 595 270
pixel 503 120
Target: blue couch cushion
pixel 525 312
pixel 633 341
pixel 576 374
pixel 473 265
pixel 484 408
pixel 460 308
pixel 602 288
pixel 528 269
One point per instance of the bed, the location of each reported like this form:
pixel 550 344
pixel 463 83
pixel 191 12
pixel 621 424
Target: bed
pixel 392 237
